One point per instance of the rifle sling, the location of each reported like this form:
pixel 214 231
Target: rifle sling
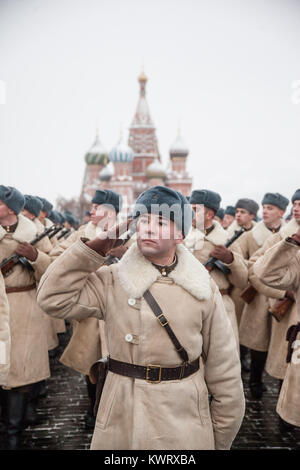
pixel 164 322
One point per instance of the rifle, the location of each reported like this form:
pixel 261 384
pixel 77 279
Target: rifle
pixel 63 233
pixel 212 262
pixel 7 264
pixel 280 308
pixel 55 231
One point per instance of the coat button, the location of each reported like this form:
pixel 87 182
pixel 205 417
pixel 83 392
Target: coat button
pixel 128 338
pixel 131 302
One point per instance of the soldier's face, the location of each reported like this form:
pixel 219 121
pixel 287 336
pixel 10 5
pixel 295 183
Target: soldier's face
pixel 102 216
pixel 227 220
pixel 199 215
pixel 296 211
pixel 157 235
pixel 243 217
pixel 4 210
pixel 28 214
pixel 271 214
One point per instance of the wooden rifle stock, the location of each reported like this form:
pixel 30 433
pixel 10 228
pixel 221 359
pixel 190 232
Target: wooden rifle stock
pixel 248 294
pixel 280 308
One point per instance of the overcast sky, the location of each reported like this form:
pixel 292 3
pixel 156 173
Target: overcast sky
pixel 225 69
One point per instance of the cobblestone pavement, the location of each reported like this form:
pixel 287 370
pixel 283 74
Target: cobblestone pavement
pixel 61 414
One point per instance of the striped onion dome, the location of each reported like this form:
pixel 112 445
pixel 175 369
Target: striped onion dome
pixel 97 155
pixel 121 153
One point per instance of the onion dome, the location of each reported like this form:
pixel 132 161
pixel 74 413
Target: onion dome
pixel 121 153
pixel 179 147
pixel 107 172
pixel 156 170
pixel 97 155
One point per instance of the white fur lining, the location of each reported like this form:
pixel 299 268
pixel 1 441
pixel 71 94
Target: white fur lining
pixel 218 236
pixel 26 230
pixel 260 233
pixel 90 230
pixel 137 274
pixel 289 229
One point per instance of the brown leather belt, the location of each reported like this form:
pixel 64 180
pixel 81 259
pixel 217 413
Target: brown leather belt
pixel 224 291
pixel 153 373
pixel 9 290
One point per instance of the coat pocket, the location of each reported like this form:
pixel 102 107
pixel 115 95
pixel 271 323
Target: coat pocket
pixel 107 399
pixel 203 399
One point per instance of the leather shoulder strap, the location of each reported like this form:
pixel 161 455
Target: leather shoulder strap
pixel 164 322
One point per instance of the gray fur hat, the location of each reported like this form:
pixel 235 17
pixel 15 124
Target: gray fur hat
pixel 12 198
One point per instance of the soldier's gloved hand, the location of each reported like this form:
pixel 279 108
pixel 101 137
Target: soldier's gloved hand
pixel 27 250
pixel 107 240
pixel 223 254
pixel 118 251
pixel 296 236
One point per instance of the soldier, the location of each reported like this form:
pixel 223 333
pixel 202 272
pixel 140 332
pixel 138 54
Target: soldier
pixel 146 406
pixel 219 215
pixel 279 268
pixel 276 355
pixel 45 212
pixel 29 361
pixel 211 243
pixel 31 210
pixel 255 323
pixel 85 346
pixel 229 217
pixel 4 344
pixel 245 213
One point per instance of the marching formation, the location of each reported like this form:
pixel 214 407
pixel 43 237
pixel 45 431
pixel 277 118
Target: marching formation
pixel 167 306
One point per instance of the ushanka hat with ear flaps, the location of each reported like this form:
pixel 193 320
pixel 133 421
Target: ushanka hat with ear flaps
pixel 33 204
pixel 208 198
pixel 249 204
pixel 275 199
pixel 12 198
pixel 168 203
pixel 296 196
pixel 230 210
pixel 108 198
pixel 47 206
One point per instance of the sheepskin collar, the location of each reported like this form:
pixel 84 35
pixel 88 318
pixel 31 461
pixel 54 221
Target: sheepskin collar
pixel 287 230
pixel 137 274
pixel 25 231
pixel 218 236
pixel 90 230
pixel 261 232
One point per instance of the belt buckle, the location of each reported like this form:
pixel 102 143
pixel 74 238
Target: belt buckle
pixel 149 367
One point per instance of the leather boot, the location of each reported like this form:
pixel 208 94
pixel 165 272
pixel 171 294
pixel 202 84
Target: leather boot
pixel 258 361
pixel 89 416
pixel 31 417
pixel 245 365
pixel 15 411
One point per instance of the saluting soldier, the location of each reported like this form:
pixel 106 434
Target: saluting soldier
pixel 88 343
pixel 210 242
pixel 146 406
pixel 275 363
pixel 255 323
pixel 29 361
